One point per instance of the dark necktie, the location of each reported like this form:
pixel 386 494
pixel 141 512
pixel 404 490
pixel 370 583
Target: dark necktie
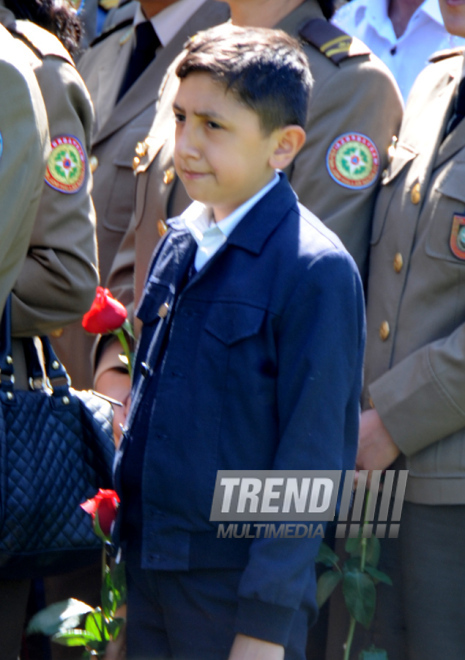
pixel 459 108
pixel 147 43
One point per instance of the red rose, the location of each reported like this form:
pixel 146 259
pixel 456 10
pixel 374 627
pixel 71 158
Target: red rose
pixel 105 315
pixel 102 508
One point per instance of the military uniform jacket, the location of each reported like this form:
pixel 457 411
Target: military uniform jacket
pixel 267 334
pixel 57 283
pixel 24 149
pixel 415 361
pixel 354 111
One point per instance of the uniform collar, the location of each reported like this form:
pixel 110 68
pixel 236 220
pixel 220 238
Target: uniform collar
pixel 167 22
pixel 257 225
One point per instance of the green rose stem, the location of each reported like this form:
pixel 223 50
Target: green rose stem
pixel 364 541
pixel 124 343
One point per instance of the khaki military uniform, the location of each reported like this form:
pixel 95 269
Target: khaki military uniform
pixel 415 370
pixel 24 148
pixel 355 106
pixel 57 281
pixel 416 304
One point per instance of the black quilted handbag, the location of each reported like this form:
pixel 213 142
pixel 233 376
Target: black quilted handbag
pixel 56 451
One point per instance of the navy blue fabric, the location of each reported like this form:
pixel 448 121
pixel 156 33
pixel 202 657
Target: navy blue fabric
pixel 261 369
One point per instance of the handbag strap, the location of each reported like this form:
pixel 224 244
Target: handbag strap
pixel 55 372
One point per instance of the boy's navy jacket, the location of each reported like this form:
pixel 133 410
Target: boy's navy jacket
pixel 256 364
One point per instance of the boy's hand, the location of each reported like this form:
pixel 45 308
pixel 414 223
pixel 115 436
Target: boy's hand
pixel 250 648
pixel 376 448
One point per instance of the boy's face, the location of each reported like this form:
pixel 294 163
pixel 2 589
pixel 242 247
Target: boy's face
pixel 453 14
pixel 221 153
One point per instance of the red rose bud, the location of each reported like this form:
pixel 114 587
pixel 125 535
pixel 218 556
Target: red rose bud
pixel 105 315
pixel 102 508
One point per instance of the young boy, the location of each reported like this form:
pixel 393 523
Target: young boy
pixel 250 358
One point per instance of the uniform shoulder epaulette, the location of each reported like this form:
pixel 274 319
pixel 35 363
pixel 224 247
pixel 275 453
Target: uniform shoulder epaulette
pixel 333 42
pixel 41 41
pixel 445 54
pixel 112 30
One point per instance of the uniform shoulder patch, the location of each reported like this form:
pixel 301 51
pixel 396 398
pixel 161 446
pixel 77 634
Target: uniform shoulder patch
pixel 42 42
pixel 457 236
pixel 445 54
pixel 66 165
pixel 353 161
pixel 112 30
pixel 333 42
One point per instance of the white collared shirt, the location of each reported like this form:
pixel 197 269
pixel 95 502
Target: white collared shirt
pixel 169 21
pixel 210 235
pixel 407 55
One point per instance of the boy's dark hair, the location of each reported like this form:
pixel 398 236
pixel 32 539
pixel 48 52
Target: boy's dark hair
pixel 52 15
pixel 265 69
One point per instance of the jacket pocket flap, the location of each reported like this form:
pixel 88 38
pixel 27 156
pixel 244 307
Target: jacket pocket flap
pixel 124 157
pixel 156 301
pixel 452 185
pixel 232 322
pixel 403 155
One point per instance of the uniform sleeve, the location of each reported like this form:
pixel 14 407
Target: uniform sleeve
pixel 320 348
pixel 24 144
pixel 356 99
pixel 421 400
pixel 57 283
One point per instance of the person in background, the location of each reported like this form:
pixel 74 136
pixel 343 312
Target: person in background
pixel 402 33
pixel 57 281
pixel 414 394
pixel 24 149
pixel 123 71
pixel 336 174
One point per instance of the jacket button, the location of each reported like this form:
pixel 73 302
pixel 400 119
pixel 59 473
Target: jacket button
pixel 93 163
pixel 163 310
pixel 141 149
pixel 415 195
pixel 370 402
pixel 162 228
pixel 168 176
pixel 384 330
pixel 398 262
pixel 144 370
pixel 392 148
pixel 135 162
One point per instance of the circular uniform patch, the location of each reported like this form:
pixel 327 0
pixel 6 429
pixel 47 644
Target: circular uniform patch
pixel 66 165
pixel 353 161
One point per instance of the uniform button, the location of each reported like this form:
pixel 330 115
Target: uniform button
pixel 398 262
pixel 392 148
pixel 384 175
pixel 162 228
pixel 93 163
pixel 57 333
pixel 370 402
pixel 144 369
pixel 163 310
pixel 415 195
pixel 141 149
pixel 135 162
pixel 168 176
pixel 384 330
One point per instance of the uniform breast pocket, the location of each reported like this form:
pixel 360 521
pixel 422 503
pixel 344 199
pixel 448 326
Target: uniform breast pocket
pixel 121 199
pixel 446 208
pixel 391 186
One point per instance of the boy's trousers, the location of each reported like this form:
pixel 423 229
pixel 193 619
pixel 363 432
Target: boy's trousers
pixel 189 615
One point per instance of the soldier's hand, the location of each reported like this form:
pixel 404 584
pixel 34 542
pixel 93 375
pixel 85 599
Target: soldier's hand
pixel 376 448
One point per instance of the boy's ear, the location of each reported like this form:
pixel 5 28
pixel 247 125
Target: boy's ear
pixel 289 141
